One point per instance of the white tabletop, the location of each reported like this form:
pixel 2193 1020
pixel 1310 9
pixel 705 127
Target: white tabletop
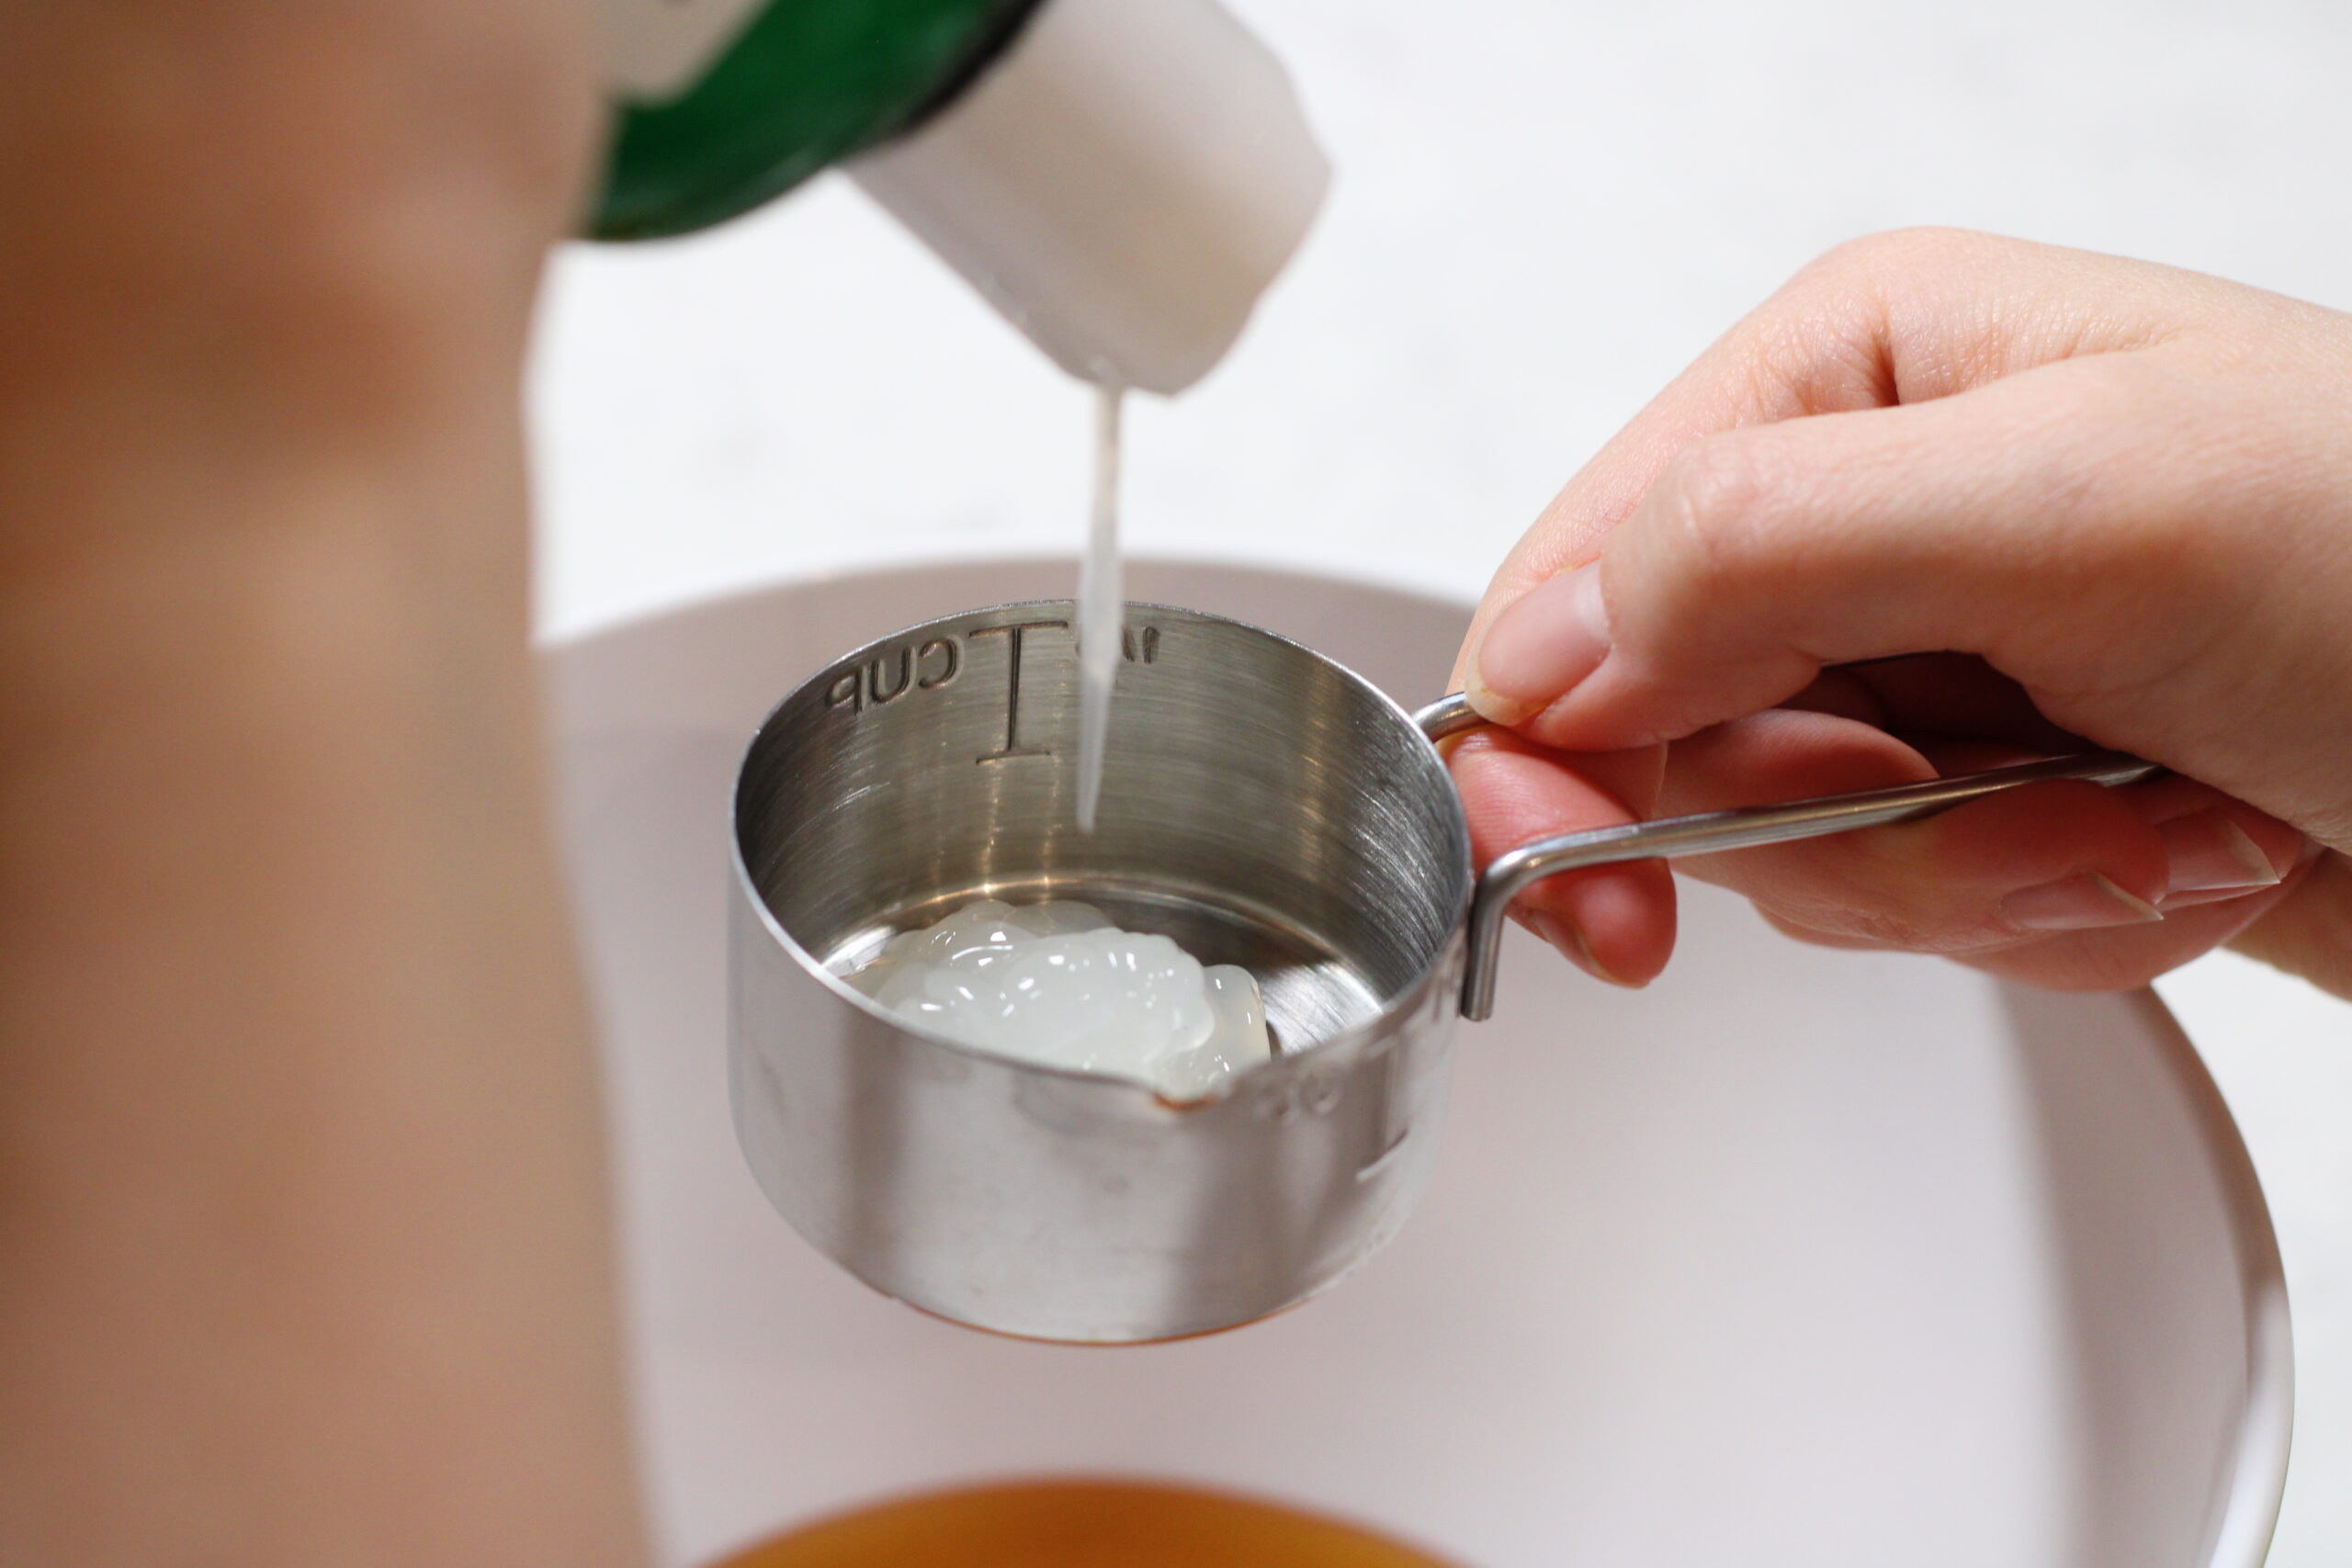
pixel 1542 211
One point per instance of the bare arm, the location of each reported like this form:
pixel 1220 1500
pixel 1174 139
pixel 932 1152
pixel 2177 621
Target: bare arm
pixel 302 1240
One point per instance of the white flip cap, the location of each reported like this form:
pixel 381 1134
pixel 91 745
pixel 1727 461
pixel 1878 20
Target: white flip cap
pixel 1123 184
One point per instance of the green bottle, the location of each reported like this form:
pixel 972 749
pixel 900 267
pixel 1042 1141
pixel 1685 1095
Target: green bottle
pixel 1122 178
pixel 804 84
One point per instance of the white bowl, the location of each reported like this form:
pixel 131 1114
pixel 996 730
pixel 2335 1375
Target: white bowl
pixel 1796 1260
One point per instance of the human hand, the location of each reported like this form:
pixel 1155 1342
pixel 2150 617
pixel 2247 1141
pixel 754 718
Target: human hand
pixel 2104 504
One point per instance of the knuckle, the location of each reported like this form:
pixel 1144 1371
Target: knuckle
pixel 1897 929
pixel 1791 927
pixel 1892 253
pixel 1702 590
pixel 1718 497
pixel 1826 923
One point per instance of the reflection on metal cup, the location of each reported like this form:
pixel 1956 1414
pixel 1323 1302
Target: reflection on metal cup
pixel 1262 805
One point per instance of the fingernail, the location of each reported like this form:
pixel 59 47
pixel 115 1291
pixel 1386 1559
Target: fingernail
pixel 1565 936
pixel 2077 904
pixel 2209 853
pixel 1553 637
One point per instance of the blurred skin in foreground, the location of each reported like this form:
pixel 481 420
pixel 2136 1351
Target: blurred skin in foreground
pixel 2098 503
pixel 302 1212
pixel 301 1182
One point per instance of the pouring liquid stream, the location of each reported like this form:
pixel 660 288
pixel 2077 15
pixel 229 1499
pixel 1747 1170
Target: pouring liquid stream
pixel 1101 608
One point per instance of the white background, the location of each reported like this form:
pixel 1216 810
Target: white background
pixel 1543 208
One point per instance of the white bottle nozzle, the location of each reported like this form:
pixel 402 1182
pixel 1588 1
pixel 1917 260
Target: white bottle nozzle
pixel 1123 184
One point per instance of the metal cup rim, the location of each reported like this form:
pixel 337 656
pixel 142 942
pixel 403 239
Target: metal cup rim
pixel 1405 997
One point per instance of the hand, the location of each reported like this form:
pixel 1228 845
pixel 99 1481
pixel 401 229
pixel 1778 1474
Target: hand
pixel 2101 503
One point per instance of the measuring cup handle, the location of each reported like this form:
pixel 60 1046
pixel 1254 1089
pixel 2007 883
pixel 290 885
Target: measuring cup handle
pixel 1709 832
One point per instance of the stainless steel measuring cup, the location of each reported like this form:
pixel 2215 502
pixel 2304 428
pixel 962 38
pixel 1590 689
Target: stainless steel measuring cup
pixel 1260 805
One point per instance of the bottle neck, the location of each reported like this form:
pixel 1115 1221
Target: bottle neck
pixel 1121 178
pixel 724 105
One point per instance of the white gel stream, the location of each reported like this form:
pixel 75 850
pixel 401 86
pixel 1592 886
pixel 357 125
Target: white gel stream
pixel 1101 609
pixel 1057 983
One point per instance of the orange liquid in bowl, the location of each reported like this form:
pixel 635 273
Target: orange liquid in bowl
pixel 1080 1525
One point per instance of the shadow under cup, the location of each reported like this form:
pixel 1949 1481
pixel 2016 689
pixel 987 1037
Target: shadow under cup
pixel 1260 805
